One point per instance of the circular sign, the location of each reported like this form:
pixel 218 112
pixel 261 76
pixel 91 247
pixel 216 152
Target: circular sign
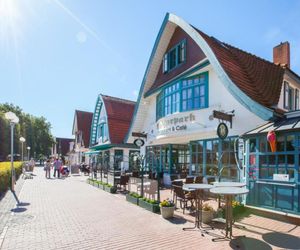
pixel 222 130
pixel 139 142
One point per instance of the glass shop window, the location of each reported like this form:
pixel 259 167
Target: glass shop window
pixel 252 144
pixel 290 143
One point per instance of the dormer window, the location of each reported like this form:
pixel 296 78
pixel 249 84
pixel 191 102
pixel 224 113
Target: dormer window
pixel 291 97
pixel 174 57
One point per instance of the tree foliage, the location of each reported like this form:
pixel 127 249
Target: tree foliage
pixel 36 131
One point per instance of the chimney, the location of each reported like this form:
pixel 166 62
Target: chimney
pixel 281 54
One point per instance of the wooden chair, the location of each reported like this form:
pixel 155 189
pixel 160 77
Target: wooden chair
pixel 183 198
pixel 189 180
pixel 199 179
pixel 183 175
pixel 123 181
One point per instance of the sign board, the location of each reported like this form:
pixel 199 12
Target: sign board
pixel 281 177
pixel 222 131
pixel 139 142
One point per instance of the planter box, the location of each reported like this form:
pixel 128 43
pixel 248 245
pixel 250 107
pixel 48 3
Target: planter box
pixel 111 190
pixel 167 212
pixel 207 216
pixel 132 199
pixel 154 208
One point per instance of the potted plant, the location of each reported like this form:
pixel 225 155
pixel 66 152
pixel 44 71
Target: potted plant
pixel 109 188
pixel 207 213
pixel 150 205
pixel 133 198
pixel 167 208
pixel 238 210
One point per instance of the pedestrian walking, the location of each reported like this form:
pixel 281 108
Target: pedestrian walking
pixel 47 169
pixel 57 164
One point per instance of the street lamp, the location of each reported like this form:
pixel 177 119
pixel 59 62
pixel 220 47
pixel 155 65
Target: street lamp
pixel 22 140
pixel 13 119
pixel 28 148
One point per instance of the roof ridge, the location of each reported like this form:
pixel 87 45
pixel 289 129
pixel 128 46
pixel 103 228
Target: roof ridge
pixel 77 110
pixel 250 54
pixel 118 98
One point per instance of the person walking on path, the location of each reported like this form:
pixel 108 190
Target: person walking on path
pixel 47 169
pixel 57 164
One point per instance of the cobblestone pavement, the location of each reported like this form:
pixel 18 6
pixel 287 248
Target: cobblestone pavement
pixel 70 214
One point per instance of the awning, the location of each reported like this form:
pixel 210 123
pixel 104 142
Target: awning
pixel 92 152
pixel 285 124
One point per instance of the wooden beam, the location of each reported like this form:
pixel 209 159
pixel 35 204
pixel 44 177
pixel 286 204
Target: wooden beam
pixel 137 134
pixel 223 116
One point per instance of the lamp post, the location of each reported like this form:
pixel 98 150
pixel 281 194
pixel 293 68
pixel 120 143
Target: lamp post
pixel 28 148
pixel 22 140
pixel 13 119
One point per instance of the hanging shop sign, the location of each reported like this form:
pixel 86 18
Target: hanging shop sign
pixel 222 131
pixel 139 142
pixel 271 137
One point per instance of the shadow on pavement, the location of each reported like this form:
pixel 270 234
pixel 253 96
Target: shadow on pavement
pixel 177 220
pixel 19 210
pixel 281 240
pixel 246 243
pixel 23 204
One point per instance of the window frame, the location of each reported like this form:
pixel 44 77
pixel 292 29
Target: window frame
pixel 166 65
pixel 168 92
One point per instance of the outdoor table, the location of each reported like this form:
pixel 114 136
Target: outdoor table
pixel 198 189
pixel 178 180
pixel 229 184
pixel 229 193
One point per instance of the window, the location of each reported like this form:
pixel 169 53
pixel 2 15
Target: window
pixel 101 132
pixel 184 95
pixel 296 99
pixel 291 97
pixel 286 95
pixel 174 57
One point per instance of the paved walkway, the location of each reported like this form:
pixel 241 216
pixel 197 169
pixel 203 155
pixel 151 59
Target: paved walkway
pixel 70 214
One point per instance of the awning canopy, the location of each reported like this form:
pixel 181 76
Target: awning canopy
pixel 285 124
pixel 92 152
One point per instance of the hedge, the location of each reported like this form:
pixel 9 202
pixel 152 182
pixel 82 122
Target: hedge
pixel 5 174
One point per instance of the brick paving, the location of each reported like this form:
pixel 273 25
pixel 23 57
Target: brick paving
pixel 70 214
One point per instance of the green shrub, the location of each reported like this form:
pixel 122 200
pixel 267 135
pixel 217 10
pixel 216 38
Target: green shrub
pixel 5 174
pixel 150 201
pixel 135 195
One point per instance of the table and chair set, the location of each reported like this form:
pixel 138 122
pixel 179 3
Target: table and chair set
pixel 196 193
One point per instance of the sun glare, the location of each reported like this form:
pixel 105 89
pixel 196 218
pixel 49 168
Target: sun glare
pixel 10 20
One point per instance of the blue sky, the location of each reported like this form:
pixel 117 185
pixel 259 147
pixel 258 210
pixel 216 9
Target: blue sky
pixel 58 55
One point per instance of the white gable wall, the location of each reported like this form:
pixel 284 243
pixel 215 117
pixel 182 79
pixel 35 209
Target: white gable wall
pixel 219 99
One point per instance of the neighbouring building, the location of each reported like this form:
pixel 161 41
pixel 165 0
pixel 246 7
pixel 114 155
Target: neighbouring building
pixel 194 82
pixel 110 124
pixel 61 147
pixel 81 130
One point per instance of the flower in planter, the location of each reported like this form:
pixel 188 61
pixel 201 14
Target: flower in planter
pixel 167 203
pixel 207 207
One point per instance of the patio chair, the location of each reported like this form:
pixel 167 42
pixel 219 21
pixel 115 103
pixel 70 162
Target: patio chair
pixel 183 175
pixel 123 181
pixel 199 179
pixel 26 175
pixel 189 180
pixel 183 198
pixel 135 174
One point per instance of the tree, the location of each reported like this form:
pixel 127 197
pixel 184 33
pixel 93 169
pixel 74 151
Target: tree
pixel 36 131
